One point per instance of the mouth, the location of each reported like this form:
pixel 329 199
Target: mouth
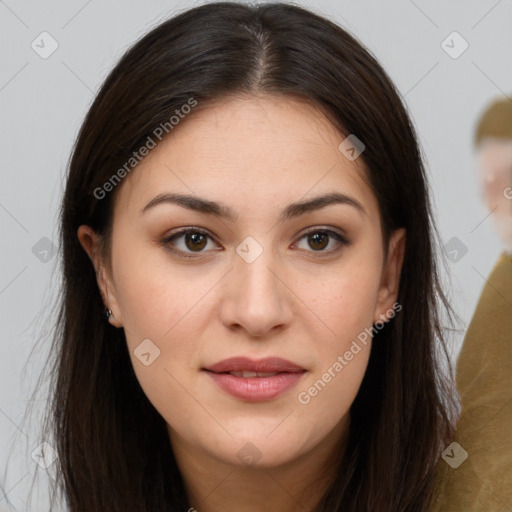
pixel 255 381
pixel 249 374
pixel 261 367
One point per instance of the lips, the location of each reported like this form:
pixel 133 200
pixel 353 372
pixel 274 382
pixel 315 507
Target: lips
pixel 255 381
pixel 269 365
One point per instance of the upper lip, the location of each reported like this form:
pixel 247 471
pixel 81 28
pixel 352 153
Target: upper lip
pixel 268 364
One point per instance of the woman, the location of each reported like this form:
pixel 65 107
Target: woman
pixel 247 201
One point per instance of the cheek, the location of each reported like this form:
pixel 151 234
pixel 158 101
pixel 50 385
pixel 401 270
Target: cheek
pixel 171 305
pixel 344 349
pixel 153 294
pixel 346 301
pixel 163 308
pixel 346 305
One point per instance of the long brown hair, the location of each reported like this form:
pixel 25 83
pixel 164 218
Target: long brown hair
pixel 114 450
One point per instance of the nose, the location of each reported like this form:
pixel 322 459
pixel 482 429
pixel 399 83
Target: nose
pixel 256 298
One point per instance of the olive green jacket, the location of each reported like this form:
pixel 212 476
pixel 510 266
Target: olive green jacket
pixel 475 475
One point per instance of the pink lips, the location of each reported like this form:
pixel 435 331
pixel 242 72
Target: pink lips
pixel 247 386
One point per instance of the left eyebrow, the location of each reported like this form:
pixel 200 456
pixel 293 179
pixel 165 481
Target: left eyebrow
pixel 221 210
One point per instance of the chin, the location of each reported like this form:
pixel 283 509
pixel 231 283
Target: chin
pixel 257 451
pixel 262 455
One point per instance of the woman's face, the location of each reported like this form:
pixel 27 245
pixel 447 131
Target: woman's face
pixel 267 281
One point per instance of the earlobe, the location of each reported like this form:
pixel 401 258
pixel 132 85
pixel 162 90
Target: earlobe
pixel 89 240
pixel 390 278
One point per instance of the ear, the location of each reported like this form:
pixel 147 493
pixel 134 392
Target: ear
pixel 89 240
pixel 390 277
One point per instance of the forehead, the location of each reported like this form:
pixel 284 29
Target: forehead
pixel 249 152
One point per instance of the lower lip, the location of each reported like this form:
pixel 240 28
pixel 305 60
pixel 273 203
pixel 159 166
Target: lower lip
pixel 256 389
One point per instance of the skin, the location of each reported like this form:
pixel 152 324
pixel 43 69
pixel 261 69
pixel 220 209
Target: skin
pixel 298 300
pixel 495 175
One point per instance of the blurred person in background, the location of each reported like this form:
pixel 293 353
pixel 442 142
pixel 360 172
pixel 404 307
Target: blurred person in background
pixel 482 481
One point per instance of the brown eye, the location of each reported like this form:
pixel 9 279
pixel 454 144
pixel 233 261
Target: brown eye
pixel 187 241
pixel 318 240
pixel 195 241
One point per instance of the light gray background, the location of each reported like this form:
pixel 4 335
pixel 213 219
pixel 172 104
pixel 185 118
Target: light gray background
pixel 43 102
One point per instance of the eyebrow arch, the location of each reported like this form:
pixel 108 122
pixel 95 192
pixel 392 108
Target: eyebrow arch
pixel 220 210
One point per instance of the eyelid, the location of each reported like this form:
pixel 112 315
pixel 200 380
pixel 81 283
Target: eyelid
pixel 188 229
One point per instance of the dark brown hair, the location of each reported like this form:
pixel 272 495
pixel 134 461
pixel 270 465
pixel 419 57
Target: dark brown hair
pixel 114 450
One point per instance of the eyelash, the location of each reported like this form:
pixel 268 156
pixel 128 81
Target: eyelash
pixel 167 241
